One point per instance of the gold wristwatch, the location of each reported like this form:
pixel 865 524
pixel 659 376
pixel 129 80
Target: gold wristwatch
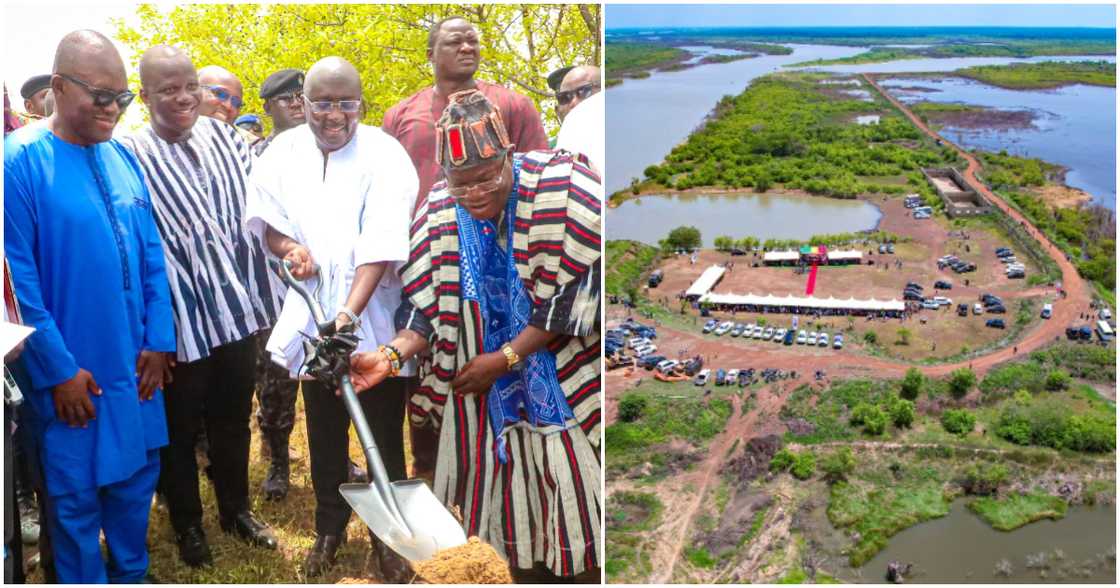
pixel 513 360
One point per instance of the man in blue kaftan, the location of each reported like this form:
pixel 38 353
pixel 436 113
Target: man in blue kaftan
pixel 87 261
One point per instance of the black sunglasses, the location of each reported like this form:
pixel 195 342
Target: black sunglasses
pixel 583 92
pixel 101 96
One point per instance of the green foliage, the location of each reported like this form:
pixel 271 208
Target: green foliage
pixel 782 460
pixel 912 384
pixel 626 262
pixel 902 413
pixel 958 421
pixel 871 417
pixel 795 576
pixel 521 44
pixel 870 338
pixel 699 557
pixel 838 465
pixel 961 381
pixel 1088 362
pixel 662 420
pixel 803 465
pixel 685 238
pixel 626 59
pixel 1050 423
pixel 724 243
pixel 1012 377
pixel 877 512
pixel 1057 380
pixel 984 480
pixel 630 407
pixel 631 515
pixel 904 335
pixel 1044 74
pixel 1012 512
pixel 784 130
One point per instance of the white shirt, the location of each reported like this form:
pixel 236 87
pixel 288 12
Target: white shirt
pixel 358 212
pixel 582 131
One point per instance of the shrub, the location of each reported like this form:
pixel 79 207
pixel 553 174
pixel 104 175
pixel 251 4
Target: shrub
pixel 984 481
pixel 902 413
pixel 904 335
pixel 860 413
pixel 870 337
pixel 876 422
pixel 782 460
pixel 1092 433
pixel 1057 380
pixel 912 384
pixel 958 422
pixel 838 465
pixel 803 466
pixel 630 408
pixel 960 382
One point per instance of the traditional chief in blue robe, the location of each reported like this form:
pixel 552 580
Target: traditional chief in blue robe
pixel 88 266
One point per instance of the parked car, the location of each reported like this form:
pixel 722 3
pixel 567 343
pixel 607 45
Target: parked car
pixel 995 323
pixel 811 338
pixel 1105 314
pixel 789 337
pixel 822 339
pixel 943 301
pixel 650 361
pixel 655 278
pixel 666 365
pixel 702 377
pixel 744 377
pixel 977 308
pixel 943 285
pixel 779 335
pixel 962 310
pixel 710 326
pixel 838 342
pixel 930 304
pixel 732 377
pixel 995 309
pixel 914 285
pixel 882 248
pixel 720 375
pixel 1047 310
pixel 890 248
pixel 724 327
pixel 759 332
pixel 801 337
pixel 737 330
pixel 768 333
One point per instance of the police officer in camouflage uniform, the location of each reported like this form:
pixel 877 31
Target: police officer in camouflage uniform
pixel 276 391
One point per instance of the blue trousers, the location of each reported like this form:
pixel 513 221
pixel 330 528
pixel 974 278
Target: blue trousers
pixel 120 510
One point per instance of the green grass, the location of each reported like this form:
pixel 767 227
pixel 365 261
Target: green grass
pixel 629 515
pixel 878 511
pixel 699 557
pixel 1043 75
pixel 796 576
pixel 627 261
pixel 1012 512
pixel 625 59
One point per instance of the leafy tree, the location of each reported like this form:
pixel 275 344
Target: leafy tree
pixel 803 465
pixel 870 337
pixel 521 43
pixel 782 460
pixel 912 384
pixel 958 421
pixel 902 413
pixel 870 417
pixel 839 465
pixel 630 408
pixel 683 238
pixel 904 336
pixel 724 243
pixel 1057 380
pixel 961 381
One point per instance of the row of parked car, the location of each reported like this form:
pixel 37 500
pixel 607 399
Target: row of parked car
pixel 1014 269
pixel 956 264
pixel 775 334
pixel 630 334
pixel 915 202
pixel 914 291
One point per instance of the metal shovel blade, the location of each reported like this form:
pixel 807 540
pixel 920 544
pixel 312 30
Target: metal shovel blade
pixel 427 527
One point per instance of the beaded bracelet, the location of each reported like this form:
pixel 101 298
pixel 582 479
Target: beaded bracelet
pixel 394 359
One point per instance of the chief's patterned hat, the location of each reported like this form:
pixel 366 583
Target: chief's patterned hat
pixel 470 132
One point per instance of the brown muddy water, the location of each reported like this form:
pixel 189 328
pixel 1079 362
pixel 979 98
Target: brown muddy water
pixel 962 548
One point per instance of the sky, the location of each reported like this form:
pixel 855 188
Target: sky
pixel 32 33
pixel 808 15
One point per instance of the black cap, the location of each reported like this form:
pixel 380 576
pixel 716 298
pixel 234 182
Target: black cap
pixel 285 80
pixel 557 76
pixel 34 85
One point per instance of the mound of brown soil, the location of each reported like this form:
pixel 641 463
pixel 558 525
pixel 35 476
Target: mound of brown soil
pixel 476 562
pixel 755 458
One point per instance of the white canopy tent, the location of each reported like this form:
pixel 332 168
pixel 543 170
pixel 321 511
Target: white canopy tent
pixel 705 282
pixel 807 302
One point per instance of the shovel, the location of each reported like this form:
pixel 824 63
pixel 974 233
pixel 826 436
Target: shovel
pixel 405 515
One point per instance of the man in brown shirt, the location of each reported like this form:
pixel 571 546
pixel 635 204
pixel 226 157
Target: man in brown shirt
pixel 453 50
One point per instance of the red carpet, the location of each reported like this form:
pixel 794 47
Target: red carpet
pixel 812 281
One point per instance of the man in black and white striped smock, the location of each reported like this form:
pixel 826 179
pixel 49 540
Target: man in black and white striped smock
pixel 223 294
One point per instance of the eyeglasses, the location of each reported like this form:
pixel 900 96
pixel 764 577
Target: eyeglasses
pixel 325 106
pixel 479 187
pixel 101 96
pixel 563 98
pixel 224 96
pixel 287 100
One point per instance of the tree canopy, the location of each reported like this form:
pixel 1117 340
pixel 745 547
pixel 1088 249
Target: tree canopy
pixel 521 43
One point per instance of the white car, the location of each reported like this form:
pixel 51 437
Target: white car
pixel 838 342
pixel 1106 314
pixel 667 365
pixel 801 337
pixel 724 327
pixel 769 334
pixel 977 308
pixel 758 331
pixel 822 340
pixel 811 338
pixel 637 342
pixel 943 301
pixel 702 377
pixel 779 335
pixel 731 378
pixel 645 350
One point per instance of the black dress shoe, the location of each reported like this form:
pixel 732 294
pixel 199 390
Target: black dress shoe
pixel 193 549
pixel 247 527
pixel 394 568
pixel 322 554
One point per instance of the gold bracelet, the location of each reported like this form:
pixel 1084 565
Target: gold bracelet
pixel 512 358
pixel 394 359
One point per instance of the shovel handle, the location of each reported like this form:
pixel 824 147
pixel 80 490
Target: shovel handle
pixel 375 467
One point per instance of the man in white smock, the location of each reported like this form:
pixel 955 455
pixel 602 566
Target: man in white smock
pixel 337 195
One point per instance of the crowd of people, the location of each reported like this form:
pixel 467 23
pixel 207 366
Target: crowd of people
pixel 459 247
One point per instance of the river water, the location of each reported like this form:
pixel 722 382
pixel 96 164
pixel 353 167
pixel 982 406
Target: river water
pixel 962 548
pixel 1069 128
pixel 766 216
pixel 948 63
